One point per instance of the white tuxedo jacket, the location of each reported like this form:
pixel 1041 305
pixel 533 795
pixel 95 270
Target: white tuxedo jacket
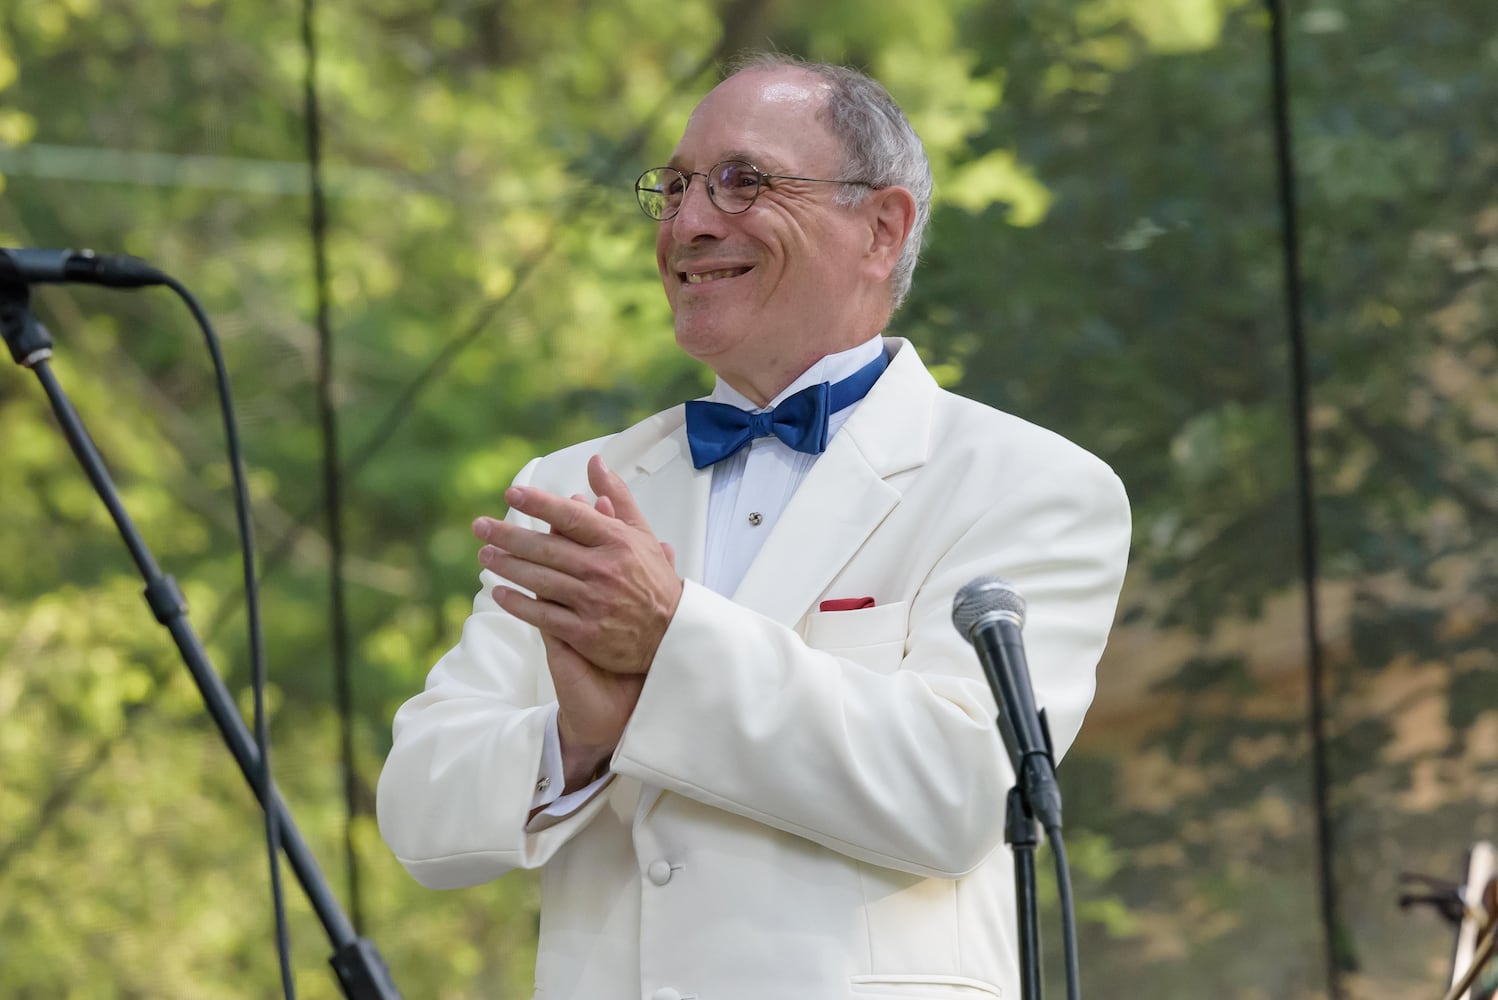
pixel 805 805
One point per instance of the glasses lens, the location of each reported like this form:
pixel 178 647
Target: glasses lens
pixel 735 185
pixel 660 190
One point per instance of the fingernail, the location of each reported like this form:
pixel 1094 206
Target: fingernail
pixel 514 496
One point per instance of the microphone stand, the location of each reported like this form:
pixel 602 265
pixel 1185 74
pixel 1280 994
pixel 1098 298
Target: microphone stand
pixel 989 613
pixel 1034 796
pixel 1020 833
pixel 361 971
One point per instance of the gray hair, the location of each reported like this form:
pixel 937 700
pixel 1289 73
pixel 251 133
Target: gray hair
pixel 881 147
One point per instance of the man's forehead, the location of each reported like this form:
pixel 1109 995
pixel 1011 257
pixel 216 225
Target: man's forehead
pixel 755 113
pixel 802 89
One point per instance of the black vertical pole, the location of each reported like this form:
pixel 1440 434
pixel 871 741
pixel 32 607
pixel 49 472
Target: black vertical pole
pixel 332 497
pixel 1300 387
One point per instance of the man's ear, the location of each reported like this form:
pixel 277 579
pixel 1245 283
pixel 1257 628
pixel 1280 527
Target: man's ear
pixel 891 214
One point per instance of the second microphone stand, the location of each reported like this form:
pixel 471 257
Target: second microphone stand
pixel 361 972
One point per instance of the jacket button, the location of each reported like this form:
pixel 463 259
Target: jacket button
pixel 659 872
pixel 666 993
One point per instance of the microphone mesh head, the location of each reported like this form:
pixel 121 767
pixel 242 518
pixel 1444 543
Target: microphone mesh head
pixel 985 596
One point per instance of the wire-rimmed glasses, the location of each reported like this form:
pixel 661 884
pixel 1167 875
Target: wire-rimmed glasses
pixel 732 185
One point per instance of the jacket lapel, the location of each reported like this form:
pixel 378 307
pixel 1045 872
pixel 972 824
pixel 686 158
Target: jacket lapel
pixel 844 498
pixel 845 495
pixel 668 489
pixel 841 502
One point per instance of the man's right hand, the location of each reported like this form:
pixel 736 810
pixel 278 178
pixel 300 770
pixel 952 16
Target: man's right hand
pixel 594 705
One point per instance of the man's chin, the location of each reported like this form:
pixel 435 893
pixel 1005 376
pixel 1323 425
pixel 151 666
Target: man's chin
pixel 705 339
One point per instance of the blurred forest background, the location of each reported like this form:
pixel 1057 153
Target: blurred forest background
pixel 1105 259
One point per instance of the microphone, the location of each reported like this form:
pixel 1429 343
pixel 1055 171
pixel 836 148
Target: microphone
pixel 27 265
pixel 989 613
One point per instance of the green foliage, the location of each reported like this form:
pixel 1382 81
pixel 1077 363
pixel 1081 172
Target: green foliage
pixel 1105 259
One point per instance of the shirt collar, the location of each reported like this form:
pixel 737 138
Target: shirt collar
pixel 831 368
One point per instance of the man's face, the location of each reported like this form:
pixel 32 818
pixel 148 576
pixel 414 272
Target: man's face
pixel 760 296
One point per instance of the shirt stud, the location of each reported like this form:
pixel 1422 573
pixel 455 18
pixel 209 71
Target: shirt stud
pixel 756 518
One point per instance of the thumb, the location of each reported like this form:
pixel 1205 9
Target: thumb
pixel 608 485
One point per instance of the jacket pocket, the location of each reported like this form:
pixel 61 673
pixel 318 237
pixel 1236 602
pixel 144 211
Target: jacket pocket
pixel 915 987
pixel 874 637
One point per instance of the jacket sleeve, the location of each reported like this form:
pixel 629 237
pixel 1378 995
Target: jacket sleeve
pixel 900 768
pixel 457 786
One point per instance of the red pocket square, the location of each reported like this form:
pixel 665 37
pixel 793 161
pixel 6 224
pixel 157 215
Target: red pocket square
pixel 846 604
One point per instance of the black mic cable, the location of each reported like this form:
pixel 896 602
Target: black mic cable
pixel 252 615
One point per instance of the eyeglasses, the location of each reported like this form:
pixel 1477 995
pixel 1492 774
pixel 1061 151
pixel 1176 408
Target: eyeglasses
pixel 731 185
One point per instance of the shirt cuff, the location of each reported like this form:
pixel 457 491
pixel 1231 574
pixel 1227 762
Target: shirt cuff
pixel 550 778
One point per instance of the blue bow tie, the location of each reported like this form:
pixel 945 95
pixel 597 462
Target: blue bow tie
pixel 718 430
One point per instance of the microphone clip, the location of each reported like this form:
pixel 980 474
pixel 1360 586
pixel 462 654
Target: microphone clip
pixel 29 342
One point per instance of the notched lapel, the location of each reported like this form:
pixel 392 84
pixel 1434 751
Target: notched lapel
pixel 838 506
pixel 843 499
pixel 673 496
pixel 846 495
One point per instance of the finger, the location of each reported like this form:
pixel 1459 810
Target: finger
pixel 607 483
pixel 578 522
pixel 546 583
pixel 603 505
pixel 543 548
pixel 566 664
pixel 548 617
pixel 555 645
pixel 670 551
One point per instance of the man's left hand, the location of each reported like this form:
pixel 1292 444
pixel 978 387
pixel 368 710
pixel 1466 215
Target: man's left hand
pixel 603 585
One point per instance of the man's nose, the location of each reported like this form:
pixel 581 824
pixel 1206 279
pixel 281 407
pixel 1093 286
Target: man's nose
pixel 698 216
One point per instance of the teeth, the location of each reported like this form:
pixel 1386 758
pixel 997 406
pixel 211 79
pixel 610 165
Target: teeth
pixel 697 279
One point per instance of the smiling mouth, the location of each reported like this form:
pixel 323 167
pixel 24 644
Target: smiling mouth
pixel 706 276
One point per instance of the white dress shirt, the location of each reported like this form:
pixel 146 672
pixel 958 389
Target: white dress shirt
pixel 750 490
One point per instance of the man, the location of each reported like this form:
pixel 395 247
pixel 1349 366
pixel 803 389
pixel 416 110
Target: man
pixel 724 708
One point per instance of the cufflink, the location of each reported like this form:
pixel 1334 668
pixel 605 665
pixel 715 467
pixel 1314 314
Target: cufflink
pixel 543 785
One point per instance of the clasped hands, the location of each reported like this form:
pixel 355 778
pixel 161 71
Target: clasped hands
pixel 605 591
